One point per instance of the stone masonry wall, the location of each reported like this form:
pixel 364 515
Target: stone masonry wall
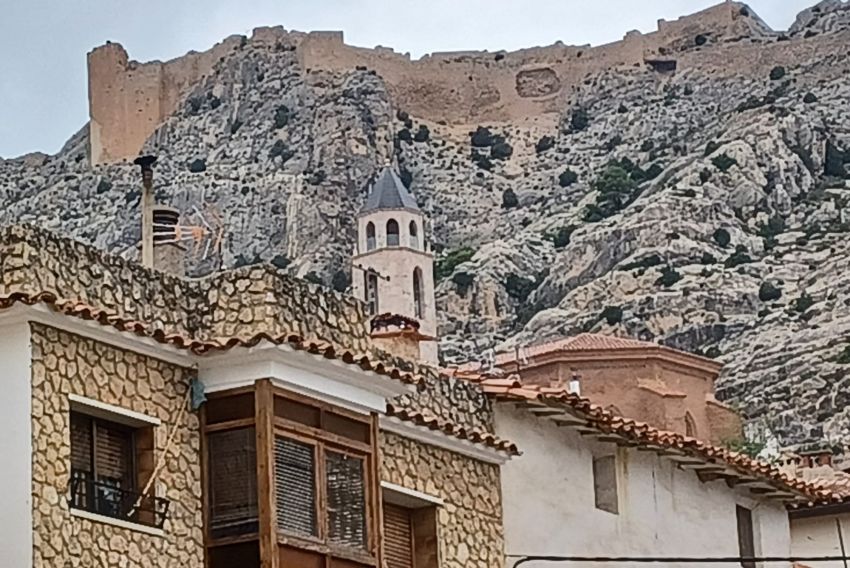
pixel 469 528
pixel 64 364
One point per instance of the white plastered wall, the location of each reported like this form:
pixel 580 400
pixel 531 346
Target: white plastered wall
pixel 818 536
pixel 16 445
pixel 549 509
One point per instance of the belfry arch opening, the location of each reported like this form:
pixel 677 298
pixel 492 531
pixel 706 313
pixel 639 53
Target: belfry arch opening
pixel 418 295
pixel 414 235
pixel 392 233
pixel 370 236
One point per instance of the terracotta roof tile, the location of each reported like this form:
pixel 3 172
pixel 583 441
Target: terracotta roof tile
pixel 603 421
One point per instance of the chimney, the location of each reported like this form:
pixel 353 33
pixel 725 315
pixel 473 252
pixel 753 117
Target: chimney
pixel 168 254
pixel 146 163
pixel 398 335
pixel 575 384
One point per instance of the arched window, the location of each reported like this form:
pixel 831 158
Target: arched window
pixel 372 292
pixel 414 235
pixel 418 301
pixel 690 425
pixel 370 236
pixel 392 233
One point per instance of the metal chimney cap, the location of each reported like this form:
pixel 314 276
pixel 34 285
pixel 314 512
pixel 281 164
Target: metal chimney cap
pixel 145 162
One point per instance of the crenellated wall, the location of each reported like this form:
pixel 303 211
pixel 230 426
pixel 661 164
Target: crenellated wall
pixel 129 100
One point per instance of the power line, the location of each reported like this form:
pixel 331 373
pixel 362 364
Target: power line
pixel 675 559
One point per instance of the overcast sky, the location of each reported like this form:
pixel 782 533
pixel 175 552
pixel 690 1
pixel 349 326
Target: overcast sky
pixel 43 99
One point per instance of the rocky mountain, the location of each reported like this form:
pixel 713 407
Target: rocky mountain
pixel 696 197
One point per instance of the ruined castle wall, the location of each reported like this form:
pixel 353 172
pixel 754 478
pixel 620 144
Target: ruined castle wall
pixel 129 100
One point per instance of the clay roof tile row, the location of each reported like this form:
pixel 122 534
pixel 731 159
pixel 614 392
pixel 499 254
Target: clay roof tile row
pixel 643 434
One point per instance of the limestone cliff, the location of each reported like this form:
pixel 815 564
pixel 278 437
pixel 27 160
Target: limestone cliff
pixel 687 186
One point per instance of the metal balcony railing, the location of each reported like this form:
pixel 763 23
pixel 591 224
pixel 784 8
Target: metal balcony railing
pixel 104 498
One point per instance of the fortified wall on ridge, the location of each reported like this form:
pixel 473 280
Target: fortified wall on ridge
pixel 128 100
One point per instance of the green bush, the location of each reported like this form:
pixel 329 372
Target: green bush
pixel 647 145
pixel 313 278
pixel 721 237
pixel 567 178
pixel 711 147
pixel 803 303
pixel 561 237
pixel 340 281
pixel 738 258
pixel 198 165
pixel 103 186
pixel 777 73
pixel 775 226
pixel 654 171
pixel 843 358
pixel 644 263
pixel 744 446
pixel 280 261
pixel 616 190
pixel 509 199
pixel 669 276
pixel 445 266
pixel 462 282
pixel 579 120
pixel 279 149
pixel 708 258
pixel 545 143
pixel 501 151
pixel 810 98
pixel 768 292
pixel 704 175
pixel 281 116
pixel 612 315
pixel 423 134
pixel 519 287
pixel 404 135
pixel 723 162
pixel 834 160
pixel 481 160
pixel 482 138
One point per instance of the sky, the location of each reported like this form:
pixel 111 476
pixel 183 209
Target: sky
pixel 43 43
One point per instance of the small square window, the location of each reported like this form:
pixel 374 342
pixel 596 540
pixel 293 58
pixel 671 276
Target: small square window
pixel 110 464
pixel 605 483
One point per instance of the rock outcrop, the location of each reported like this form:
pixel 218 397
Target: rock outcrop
pixel 694 196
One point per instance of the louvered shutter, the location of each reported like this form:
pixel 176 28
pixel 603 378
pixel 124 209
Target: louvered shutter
pixel 295 487
pixel 113 451
pixel 81 443
pixel 398 537
pixel 346 488
pixel 232 482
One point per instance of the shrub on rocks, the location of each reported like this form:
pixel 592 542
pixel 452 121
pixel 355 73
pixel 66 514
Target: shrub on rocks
pixel 567 178
pixel 612 315
pixel 462 282
pixel 545 143
pixel 519 287
pixel 445 266
pixel 423 134
pixel 738 257
pixel 721 237
pixel 501 151
pixel 509 199
pixel 669 276
pixel 198 165
pixel 281 116
pixel 579 119
pixel 724 162
pixel 768 292
pixel 777 73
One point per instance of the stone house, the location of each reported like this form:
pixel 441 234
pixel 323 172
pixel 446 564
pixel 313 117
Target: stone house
pixel 236 420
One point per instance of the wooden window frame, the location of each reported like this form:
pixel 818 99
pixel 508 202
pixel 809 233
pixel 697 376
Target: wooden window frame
pixel 268 427
pixel 325 441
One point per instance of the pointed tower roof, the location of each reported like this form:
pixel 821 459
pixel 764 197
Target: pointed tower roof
pixel 388 192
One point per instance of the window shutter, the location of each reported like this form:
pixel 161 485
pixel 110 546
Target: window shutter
pixel 81 443
pixel 605 484
pixel 398 537
pixel 346 487
pixel 295 487
pixel 746 542
pixel 232 482
pixel 113 451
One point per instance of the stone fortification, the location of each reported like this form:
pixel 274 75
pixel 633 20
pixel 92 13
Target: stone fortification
pixel 129 100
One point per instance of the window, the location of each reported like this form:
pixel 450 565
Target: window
pixel 690 425
pixel 414 235
pixel 370 236
pixel 371 292
pixel 232 482
pixel 746 541
pixel 605 483
pixel 418 307
pixel 410 531
pixel 322 458
pixel 392 233
pixel 110 462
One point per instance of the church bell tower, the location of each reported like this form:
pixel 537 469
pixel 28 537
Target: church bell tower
pixel 393 264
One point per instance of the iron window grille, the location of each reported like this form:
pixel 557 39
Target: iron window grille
pixel 108 499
